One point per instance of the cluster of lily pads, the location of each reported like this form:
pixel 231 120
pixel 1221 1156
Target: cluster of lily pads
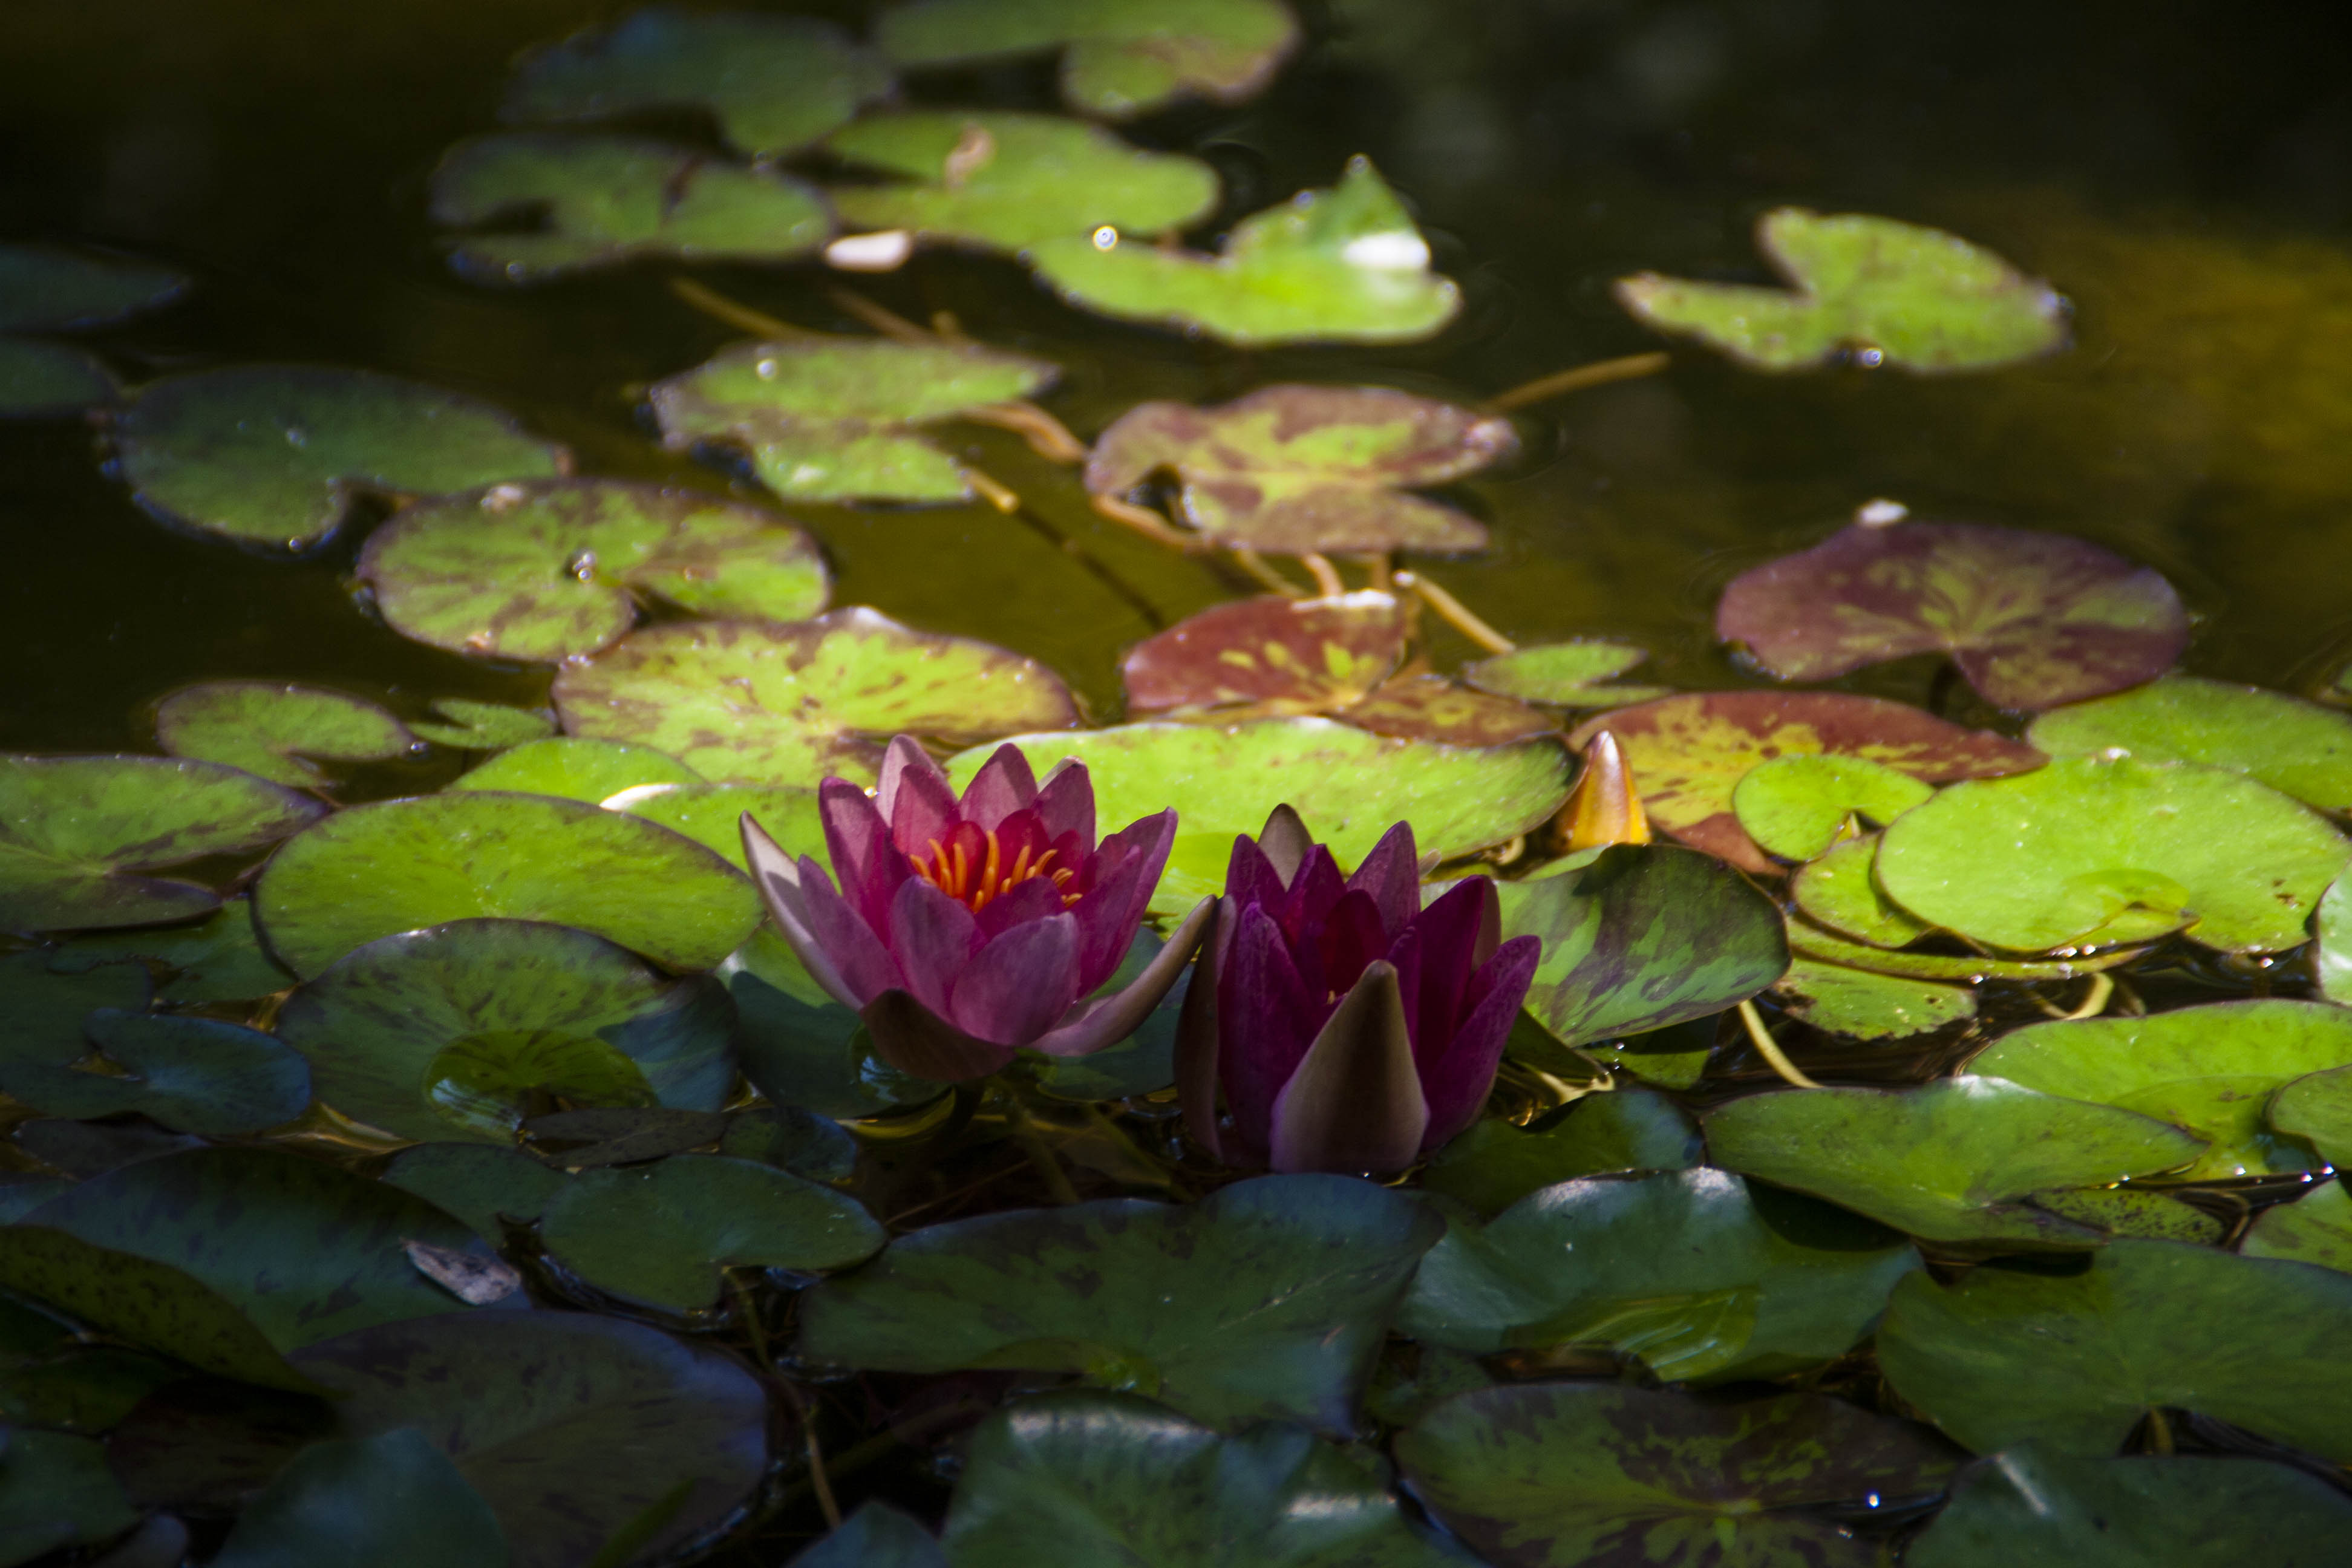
pixel 548 1169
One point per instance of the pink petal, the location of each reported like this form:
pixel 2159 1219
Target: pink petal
pixel 1003 785
pixel 1019 985
pixel 1113 1018
pixel 1355 1102
pixel 1127 869
pixel 861 960
pixel 923 803
pixel 1391 874
pixel 868 865
pixel 1456 1079
pixel 778 878
pixel 914 1039
pixel 932 937
pixel 904 756
pixel 1265 1021
pixel 1032 900
pixel 1065 801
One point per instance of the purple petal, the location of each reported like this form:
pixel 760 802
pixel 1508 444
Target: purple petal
pixel 1448 934
pixel 1391 874
pixel 1313 892
pixel 1351 937
pixel 1031 900
pixel 1110 1019
pixel 1285 841
pixel 1065 801
pixel 1003 785
pixel 921 807
pixel 1127 869
pixel 1265 1021
pixel 932 937
pixel 914 1039
pixel 1355 1103
pixel 861 957
pixel 1456 1081
pixel 1196 1031
pixel 1252 878
pixel 778 878
pixel 1019 985
pixel 867 863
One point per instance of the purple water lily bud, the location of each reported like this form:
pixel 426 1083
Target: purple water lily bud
pixel 1347 1027
pixel 963 930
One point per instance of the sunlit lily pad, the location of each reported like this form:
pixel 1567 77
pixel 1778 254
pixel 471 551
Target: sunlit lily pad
pixel 1795 808
pixel 401 864
pixel 46 288
pixel 1006 180
pixel 482 726
pixel 1689 752
pixel 1565 675
pixel 598 200
pixel 1344 265
pixel 1494 1163
pixel 273 730
pixel 1841 891
pixel 272 455
pixel 554 570
pixel 1122 59
pixel 1294 468
pixel 192 1074
pixel 1872 288
pixel 1432 708
pixel 571 768
pixel 773 83
pixel 2298 748
pixel 2318 1108
pixel 1868 1007
pixel 2032 619
pixel 756 703
pixel 75 833
pixel 711 814
pixel 2314 1229
pixel 1950 1160
pixel 833 418
pixel 1269 656
pixel 41 379
pixel 365 1502
pixel 2093 849
pixel 2075 1362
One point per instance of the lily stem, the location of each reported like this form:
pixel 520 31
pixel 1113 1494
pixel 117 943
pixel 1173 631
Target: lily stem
pixel 2159 1430
pixel 2102 985
pixel 1256 565
pixel 1041 1154
pixel 712 303
pixel 1326 576
pixel 1769 1049
pixel 1456 613
pixel 819 1483
pixel 1631 367
pixel 1145 522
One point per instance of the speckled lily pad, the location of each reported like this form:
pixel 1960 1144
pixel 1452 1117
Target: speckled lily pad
pixel 273 729
pixel 1122 59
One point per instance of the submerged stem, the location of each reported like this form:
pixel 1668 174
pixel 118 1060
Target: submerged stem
pixel 993 490
pixel 1456 613
pixel 712 303
pixel 1769 1049
pixel 1631 367
pixel 1147 523
pixel 819 1483
pixel 1256 565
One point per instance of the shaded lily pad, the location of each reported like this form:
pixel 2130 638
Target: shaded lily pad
pixel 1950 1160
pixel 2130 1211
pixel 483 726
pixel 48 288
pixel 75 833
pixel 1267 1300
pixel 1295 469
pixel 44 1002
pixel 1494 1164
pixel 477 1183
pixel 272 455
pixel 1688 754
pixel 2092 850
pixel 570 768
pixel 1565 675
pixel 2318 1108
pixel 1432 708
pixel 272 731
pixel 1841 891
pixel 1269 656
pixel 2314 1229
pixel 753 702
pixel 218 959
pixel 401 864
pixel 1795 808
pixel 192 1074
pixel 1343 265
pixel 56 1491
pixel 2298 748
pixel 875 1536
pixel 559 568
pixel 2075 1362
pixel 598 200
pixel 1122 59
pixel 1594 1475
pixel 42 379
pixel 833 418
pixel 1869 288
pixel 799 1047
pixel 386 1502
pixel 711 814
pixel 1868 1006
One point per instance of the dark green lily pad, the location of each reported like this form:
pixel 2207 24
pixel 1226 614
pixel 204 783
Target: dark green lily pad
pixel 2318 1108
pixel 1005 181
pixel 218 959
pixel 1870 289
pixel 1565 675
pixel 1868 1007
pixel 380 1024
pixel 1795 808
pixel 1594 1475
pixel 1950 1160
pixel 600 200
pixel 84 1149
pixel 1269 656
pixel 711 814
pixel 192 1074
pixel 1267 1300
pixel 1122 59
pixel 1100 1481
pixel 1343 265
pixel 76 831
pixel 483 726
pixel 1494 1164
pixel 2075 1362
pixel 2314 1229
pixel 40 380
pixel 1841 891
pixel 2130 1211
pixel 619 1135
pixel 392 1501
pixel 48 288
pixel 875 1536
pixel 752 702
pixel 570 768
pixel 51 1377
pixel 272 455
pixel 553 570
pixel 773 83
pixel 2331 947
pixel 56 1491
pixel 2298 748
pixel 790 1139
pixel 2032 619
pixel 2093 849
pixel 272 731
pixel 477 1183
pixel 799 1047
pixel 1432 708
pixel 401 864
pixel 833 418
pixel 44 1004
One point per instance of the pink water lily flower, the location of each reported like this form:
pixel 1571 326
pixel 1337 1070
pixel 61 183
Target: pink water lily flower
pixel 963 930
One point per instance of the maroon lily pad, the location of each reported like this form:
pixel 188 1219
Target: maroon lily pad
pixel 2032 619
pixel 1432 708
pixel 1269 656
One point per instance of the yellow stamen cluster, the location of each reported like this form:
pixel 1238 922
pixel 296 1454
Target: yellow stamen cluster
pixel 949 869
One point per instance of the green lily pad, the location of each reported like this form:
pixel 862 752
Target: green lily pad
pixel 2314 1229
pixel 379 1025
pixel 1593 1476
pixel 1267 1300
pixel 2075 1362
pixel 752 702
pixel 2210 1070
pixel 833 418
pixel 477 1183
pixel 483 726
pixel 773 83
pixel 711 814
pixel 664 1233
pixel 2032 619
pixel 621 1135
pixel 1868 1007
pixel 273 455
pixel 1494 1164
pixel 218 959
pixel 1344 265
pixel 386 1502
pixel 192 1074
pixel 40 380
pixel 401 864
pixel 48 288
pixel 1806 943
pixel 1950 1160
pixel 799 1047
pixel 1643 936
pixel 1432 708
pixel 601 200
pixel 569 768
pixel 1841 891
pixel 1007 181
pixel 1737 1295
pixel 2127 1211
pixel 56 1491
pixel 1269 656
pixel 1098 1481
pixel 1796 806
pixel 1870 289
pixel 875 1536
pixel 272 731
pixel 1565 675
pixel 2331 947
pixel 2091 849
pixel 2318 1108
pixel 2298 748
pixel 76 831
pixel 44 1002
pixel 1122 59
pixel 793 1139
pixel 552 570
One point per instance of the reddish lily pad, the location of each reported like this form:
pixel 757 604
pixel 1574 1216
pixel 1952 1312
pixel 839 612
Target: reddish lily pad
pixel 1295 469
pixel 270 730
pixel 1689 752
pixel 1565 675
pixel 1269 656
pixel 1432 708
pixel 2032 619
pixel 1122 59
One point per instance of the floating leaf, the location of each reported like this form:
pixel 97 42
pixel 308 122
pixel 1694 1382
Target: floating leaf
pixel 793 1139
pixel 570 768
pixel 44 1005
pixel 1267 1300
pixel 271 729
pixel 1494 1163
pixel 1344 265
pixel 272 455
pixel 2032 619
pixel 192 1074
pixel 555 569
pixel 1432 708
pixel 2092 850
pixel 875 1536
pixel 1948 1161
pixel 477 1183
pixel 39 379
pixel 832 418
pixel 218 959
pixel 752 702
pixel 1122 59
pixel 2314 1229
pixel 711 814
pixel 487 1084
pixel 1564 674
pixel 598 200
pixel 76 831
pixel 1868 1007
pixel 618 1135
pixel 1841 891
pixel 2331 947
pixel 799 1047
pixel 2127 1211
pixel 387 1502
pixel 483 726
pixel 1688 754
pixel 1972 969
pixel 1296 469
pixel 46 288
pixel 1795 808
pixel 2318 1108
pixel 1879 291
pixel 2298 748
pixel 55 1491
pixel 1269 656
